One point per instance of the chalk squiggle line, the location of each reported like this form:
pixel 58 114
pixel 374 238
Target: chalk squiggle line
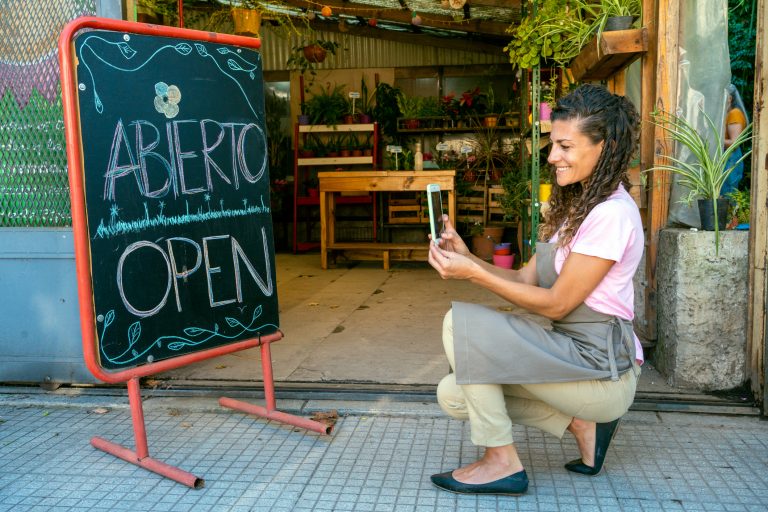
pixel 121 227
pixel 130 354
pixel 182 48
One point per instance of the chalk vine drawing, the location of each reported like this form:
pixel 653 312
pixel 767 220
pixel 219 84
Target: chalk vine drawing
pixel 127 59
pixel 194 336
pixel 167 99
pixel 119 227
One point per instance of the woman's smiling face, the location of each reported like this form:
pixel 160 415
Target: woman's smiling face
pixel 573 155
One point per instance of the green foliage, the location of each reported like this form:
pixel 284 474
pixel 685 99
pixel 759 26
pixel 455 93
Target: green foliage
pixel 516 193
pixel 560 29
pixel 275 110
pixel 741 208
pixel 430 107
pixel 386 110
pixel 741 43
pixel 327 106
pixel 708 167
pixel 409 106
pixel 299 62
pixel 556 33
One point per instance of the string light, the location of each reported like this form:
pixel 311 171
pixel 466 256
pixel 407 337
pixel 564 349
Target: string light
pixel 374 12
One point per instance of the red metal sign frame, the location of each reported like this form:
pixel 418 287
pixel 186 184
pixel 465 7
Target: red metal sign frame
pixel 131 376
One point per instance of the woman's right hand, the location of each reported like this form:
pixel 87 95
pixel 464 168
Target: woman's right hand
pixel 450 239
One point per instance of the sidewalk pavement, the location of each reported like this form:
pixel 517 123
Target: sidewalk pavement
pixel 378 458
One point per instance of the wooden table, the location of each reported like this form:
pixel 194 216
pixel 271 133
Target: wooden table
pixel 375 181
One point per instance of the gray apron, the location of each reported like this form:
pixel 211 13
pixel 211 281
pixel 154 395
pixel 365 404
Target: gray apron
pixel 493 347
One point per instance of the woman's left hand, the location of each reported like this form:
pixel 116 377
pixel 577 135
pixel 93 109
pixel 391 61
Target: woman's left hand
pixel 449 264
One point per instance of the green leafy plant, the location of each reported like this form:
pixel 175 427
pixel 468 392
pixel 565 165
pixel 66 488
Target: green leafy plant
pixel 598 11
pixel 409 106
pixel 386 110
pixel 327 105
pixel 556 33
pixel 741 208
pixel 275 110
pixel 705 172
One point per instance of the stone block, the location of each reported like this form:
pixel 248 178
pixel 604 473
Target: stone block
pixel 702 308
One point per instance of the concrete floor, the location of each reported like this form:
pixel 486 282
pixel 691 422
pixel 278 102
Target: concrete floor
pixel 357 324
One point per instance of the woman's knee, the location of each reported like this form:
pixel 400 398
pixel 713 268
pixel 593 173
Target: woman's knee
pixel 451 398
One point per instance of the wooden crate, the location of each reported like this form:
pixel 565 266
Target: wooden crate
pixel 405 214
pixel 495 211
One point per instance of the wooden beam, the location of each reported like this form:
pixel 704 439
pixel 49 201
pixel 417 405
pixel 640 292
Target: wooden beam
pixel 615 50
pixel 406 37
pixel 660 75
pixel 487 28
pixel 758 232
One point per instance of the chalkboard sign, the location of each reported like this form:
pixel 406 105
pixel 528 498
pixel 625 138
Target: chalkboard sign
pixel 176 194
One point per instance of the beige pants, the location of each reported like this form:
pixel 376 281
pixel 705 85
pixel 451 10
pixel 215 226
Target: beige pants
pixel 493 408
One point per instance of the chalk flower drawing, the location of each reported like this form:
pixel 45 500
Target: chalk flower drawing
pixel 167 99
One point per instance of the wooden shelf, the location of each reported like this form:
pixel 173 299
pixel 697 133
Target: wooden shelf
pixel 341 160
pixel 614 51
pixel 326 128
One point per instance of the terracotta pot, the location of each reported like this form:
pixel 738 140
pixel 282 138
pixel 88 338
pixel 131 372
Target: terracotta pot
pixel 314 53
pixel 490 121
pixel 349 119
pixel 345 153
pixel 411 124
pixel 483 244
pixel 357 152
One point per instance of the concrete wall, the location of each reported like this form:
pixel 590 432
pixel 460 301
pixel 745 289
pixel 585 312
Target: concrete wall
pixel 702 308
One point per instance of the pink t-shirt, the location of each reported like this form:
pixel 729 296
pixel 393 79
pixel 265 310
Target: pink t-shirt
pixel 613 230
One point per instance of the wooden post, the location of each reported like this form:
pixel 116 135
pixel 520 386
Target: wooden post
pixel 659 91
pixel 758 232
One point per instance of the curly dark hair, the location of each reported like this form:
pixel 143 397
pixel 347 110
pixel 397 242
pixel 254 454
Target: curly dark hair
pixel 601 116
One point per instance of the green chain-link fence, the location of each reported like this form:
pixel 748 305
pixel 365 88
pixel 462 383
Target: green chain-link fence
pixel 34 189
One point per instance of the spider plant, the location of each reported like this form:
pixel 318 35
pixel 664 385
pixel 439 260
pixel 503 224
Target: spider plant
pixel 706 170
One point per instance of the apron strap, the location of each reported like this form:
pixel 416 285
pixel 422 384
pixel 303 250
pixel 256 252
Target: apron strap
pixel 629 344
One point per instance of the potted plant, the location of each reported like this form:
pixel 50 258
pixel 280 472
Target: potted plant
pixel 305 56
pixel 327 105
pixel 705 170
pixel 244 17
pixel 607 15
pixel 430 112
pixel 409 107
pixel 557 33
pixel 740 209
pixel 298 61
pixel 366 104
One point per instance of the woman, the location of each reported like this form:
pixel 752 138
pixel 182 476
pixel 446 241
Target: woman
pixel 581 375
pixel 736 121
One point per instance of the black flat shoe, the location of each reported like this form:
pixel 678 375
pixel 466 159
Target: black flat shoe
pixel 604 433
pixel 512 485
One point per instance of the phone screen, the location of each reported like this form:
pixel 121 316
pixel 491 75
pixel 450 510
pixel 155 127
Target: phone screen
pixel 436 213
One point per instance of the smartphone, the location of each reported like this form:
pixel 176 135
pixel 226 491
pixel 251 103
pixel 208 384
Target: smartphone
pixel 435 204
